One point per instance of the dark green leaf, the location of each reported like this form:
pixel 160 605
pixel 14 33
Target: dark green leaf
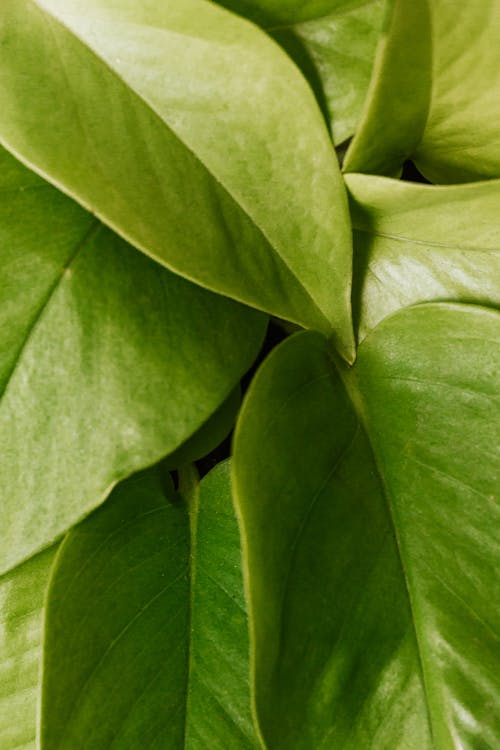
pixel 108 361
pixel 370 529
pixel 146 642
pixel 169 127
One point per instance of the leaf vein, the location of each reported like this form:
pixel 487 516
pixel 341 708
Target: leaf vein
pixel 294 546
pixel 426 243
pixel 113 645
pixel 94 227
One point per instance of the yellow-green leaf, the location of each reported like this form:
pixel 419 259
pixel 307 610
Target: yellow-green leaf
pixel 169 127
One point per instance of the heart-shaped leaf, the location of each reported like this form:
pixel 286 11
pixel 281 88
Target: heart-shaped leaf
pixel 146 642
pixel 336 54
pixel 370 529
pixel 435 95
pixel 169 127
pixel 421 243
pixel 108 362
pixel 22 594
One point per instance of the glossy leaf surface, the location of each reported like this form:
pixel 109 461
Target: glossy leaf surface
pixel 435 96
pixel 421 243
pixel 336 54
pixel 170 128
pixel 370 530
pixel 396 106
pixel 147 640
pixel 108 362
pixel 285 12
pixel 22 593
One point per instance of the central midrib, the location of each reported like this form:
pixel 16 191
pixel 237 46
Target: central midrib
pixel 192 494
pixel 392 514
pixel 94 227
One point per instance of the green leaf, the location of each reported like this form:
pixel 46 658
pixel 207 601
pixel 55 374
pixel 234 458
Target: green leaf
pixel 370 530
pixel 171 130
pixel 209 436
pixel 146 642
pixel 335 54
pixel 285 12
pixel 108 362
pixel 396 107
pixel 22 594
pixel 435 96
pixel 421 243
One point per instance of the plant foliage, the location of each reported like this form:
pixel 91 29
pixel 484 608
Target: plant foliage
pixel 172 174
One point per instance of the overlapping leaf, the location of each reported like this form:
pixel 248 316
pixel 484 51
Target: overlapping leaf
pixel 147 641
pixel 209 436
pixel 394 120
pixel 285 12
pixel 108 361
pixel 420 243
pixel 370 517
pixel 22 594
pixel 435 96
pixel 336 54
pixel 169 127
pixel 367 496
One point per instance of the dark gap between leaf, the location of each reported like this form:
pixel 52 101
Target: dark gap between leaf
pixel 411 174
pixel 275 334
pixel 175 478
pixel 207 463
pixel 341 150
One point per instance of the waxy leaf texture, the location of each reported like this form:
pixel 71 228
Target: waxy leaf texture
pixel 422 243
pixel 336 54
pixel 147 641
pixel 435 94
pixel 286 12
pixel 369 510
pixel 154 98
pixel 174 177
pixel 22 606
pixel 110 363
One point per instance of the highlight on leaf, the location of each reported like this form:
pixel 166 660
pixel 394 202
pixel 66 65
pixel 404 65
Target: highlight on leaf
pixel 249 375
